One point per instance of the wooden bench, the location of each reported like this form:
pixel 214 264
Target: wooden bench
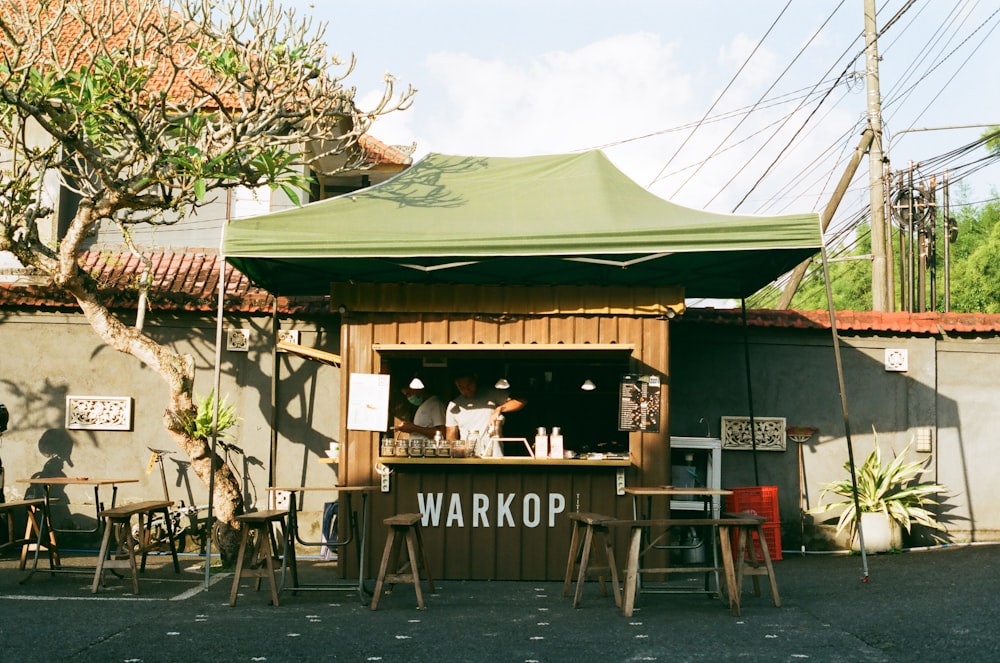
pixel 580 548
pixel 258 539
pixel 36 526
pixel 117 522
pixel 725 526
pixel 403 527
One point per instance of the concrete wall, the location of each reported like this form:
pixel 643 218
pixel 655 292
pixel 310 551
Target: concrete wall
pixel 49 356
pixel 949 387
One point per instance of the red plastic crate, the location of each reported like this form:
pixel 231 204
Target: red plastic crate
pixel 759 500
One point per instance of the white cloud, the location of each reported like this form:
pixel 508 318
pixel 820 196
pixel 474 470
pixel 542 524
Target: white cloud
pixel 601 95
pixel 612 89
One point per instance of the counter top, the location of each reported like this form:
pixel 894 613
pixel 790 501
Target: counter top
pixel 507 460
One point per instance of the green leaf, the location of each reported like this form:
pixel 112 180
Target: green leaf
pixel 292 193
pixel 199 427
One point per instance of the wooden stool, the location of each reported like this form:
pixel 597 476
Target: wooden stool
pixel 591 524
pixel 403 526
pixel 35 527
pixel 258 535
pixel 120 518
pixel 748 564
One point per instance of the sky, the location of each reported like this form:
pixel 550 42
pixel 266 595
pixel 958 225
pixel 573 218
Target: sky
pixel 663 87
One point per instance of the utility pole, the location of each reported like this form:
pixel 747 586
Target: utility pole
pixel 831 208
pixel 880 282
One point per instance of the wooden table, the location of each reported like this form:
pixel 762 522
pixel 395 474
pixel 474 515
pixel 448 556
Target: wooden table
pixel 47 483
pixel 355 534
pixel 707 495
pixel 649 492
pixel 724 525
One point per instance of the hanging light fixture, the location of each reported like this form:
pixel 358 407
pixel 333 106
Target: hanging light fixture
pixel 416 383
pixel 503 382
pixel 588 385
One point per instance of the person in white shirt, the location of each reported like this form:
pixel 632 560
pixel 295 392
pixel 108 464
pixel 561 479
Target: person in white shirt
pixel 475 411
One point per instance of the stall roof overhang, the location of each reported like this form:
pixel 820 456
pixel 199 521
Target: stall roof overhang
pixel 571 219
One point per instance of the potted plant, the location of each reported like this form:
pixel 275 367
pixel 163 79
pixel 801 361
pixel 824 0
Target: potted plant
pixel 889 498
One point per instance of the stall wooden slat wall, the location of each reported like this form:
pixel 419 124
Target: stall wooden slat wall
pixel 465 552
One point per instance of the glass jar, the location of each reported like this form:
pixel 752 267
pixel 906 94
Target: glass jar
pixel 402 447
pixel 416 447
pixel 388 447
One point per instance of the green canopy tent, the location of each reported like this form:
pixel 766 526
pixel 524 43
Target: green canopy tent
pixel 546 220
pixel 571 219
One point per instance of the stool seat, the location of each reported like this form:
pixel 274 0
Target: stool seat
pixel 35 528
pixel 258 538
pixel 120 518
pixel 403 527
pixel 749 564
pixel 580 548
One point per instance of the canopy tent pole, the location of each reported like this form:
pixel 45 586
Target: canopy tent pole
pixel 273 459
pixel 843 407
pixel 217 386
pixel 746 361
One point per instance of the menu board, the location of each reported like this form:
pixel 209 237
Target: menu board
pixel 639 407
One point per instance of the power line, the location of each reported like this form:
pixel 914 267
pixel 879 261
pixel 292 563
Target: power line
pixel 762 97
pixel 722 94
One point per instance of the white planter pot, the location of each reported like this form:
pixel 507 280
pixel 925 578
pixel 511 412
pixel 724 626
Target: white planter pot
pixel 881 533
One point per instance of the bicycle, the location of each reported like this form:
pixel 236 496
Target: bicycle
pixel 184 521
pixel 247 486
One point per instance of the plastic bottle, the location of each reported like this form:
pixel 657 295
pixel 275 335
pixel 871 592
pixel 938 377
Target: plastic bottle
pixel 691 470
pixel 541 443
pixel 556 443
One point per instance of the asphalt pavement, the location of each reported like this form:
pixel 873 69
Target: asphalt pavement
pixel 937 605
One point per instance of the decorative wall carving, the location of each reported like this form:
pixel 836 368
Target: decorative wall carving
pixel 99 412
pixel 238 340
pixel 769 433
pixel 288 336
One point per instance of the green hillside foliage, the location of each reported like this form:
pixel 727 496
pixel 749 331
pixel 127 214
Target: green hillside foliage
pixel 974 259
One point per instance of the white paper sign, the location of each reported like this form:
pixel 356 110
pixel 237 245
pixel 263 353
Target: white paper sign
pixel 368 402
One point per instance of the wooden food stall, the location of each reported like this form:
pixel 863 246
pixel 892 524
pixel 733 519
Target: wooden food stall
pixel 505 518
pixel 549 272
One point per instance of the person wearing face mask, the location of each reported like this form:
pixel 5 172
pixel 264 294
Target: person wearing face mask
pixel 428 417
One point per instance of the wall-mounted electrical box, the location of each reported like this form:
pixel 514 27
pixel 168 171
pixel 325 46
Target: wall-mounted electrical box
pixel 925 439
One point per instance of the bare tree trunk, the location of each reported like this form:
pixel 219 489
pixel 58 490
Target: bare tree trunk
pixel 177 370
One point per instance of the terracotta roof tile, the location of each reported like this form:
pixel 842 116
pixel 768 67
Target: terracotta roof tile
pixel 181 281
pixel 115 23
pixel 378 153
pixel 931 323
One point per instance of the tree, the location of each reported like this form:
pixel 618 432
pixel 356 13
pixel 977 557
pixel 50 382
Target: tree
pixel 975 276
pixel 850 280
pixel 974 279
pixel 144 109
pixel 992 136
